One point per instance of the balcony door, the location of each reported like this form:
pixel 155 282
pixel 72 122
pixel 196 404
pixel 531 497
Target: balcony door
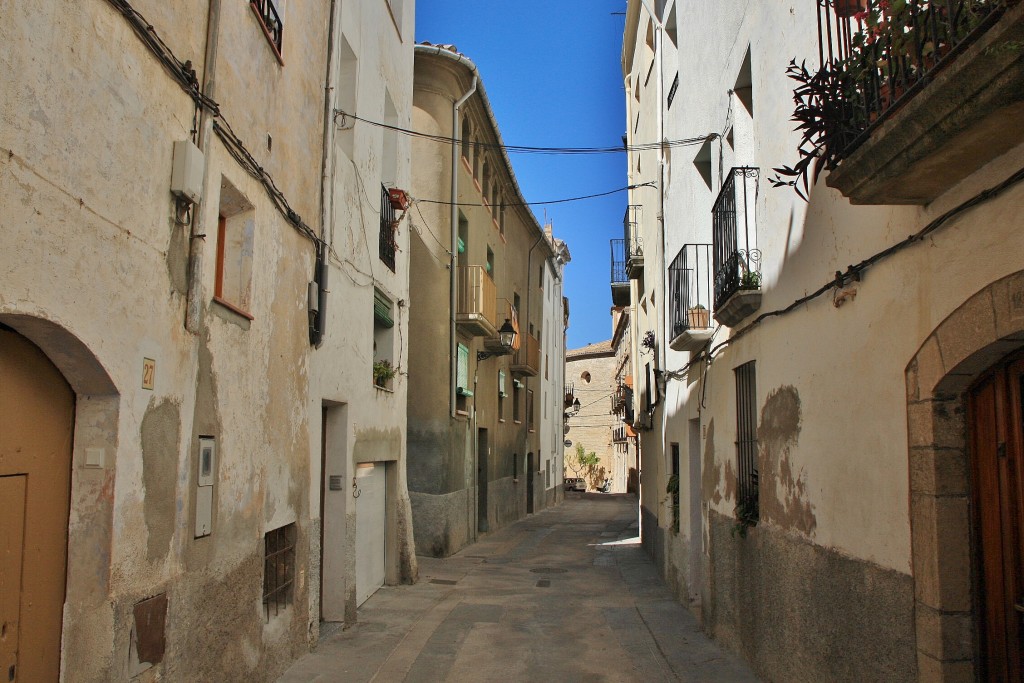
pixel 996 417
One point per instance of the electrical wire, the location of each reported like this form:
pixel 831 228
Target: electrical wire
pixel 523 149
pixel 551 201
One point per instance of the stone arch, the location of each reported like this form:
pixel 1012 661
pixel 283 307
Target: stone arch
pixel 980 332
pixel 87 607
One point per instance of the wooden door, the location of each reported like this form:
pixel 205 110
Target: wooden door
pixel 996 416
pixel 36 424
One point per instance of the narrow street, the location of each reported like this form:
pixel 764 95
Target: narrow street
pixel 566 595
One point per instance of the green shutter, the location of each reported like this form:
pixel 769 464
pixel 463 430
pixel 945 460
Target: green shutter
pixel 462 246
pixel 382 309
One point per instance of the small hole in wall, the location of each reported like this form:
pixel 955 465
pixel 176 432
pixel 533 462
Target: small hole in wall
pixel 270 143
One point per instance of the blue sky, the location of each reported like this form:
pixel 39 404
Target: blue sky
pixel 553 76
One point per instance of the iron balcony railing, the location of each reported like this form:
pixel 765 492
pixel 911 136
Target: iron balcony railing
pixel 267 13
pixel 689 289
pixel 387 229
pixel 633 242
pixel 737 260
pixel 884 51
pixel 619 434
pixel 619 276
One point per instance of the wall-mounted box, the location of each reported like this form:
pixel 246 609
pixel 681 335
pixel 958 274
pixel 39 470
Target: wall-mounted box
pixel 187 171
pixel 206 468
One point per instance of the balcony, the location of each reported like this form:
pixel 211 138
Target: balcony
pixel 689 298
pixel 633 243
pixel 526 360
pixel 619 279
pixel 570 396
pixel 477 302
pixel 737 260
pixel 387 229
pixel 931 92
pixel 619 434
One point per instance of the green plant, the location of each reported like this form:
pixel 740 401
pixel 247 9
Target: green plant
pixel 383 372
pixel 751 280
pixel 581 461
pixel 747 516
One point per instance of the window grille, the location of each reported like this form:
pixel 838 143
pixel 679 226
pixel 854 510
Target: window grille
pixel 387 229
pixel 746 441
pixel 278 569
pixel 462 370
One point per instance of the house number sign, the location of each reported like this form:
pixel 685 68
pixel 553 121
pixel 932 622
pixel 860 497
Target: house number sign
pixel 148 373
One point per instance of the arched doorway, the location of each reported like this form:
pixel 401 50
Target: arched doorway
pixel 37 409
pixel 995 416
pixel 963 386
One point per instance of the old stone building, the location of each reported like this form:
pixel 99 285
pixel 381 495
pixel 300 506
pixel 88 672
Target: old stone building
pixel 838 402
pixel 481 265
pixel 178 381
pixel 591 369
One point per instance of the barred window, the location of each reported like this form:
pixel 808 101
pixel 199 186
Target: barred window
pixel 747 509
pixel 278 569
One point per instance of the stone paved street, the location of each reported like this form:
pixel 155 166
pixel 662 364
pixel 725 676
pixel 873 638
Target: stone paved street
pixel 566 595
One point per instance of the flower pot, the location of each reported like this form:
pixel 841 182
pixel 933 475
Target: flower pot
pixel 698 318
pixel 845 9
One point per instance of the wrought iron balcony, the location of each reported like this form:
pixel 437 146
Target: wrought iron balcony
pixel 387 229
pixel 271 20
pixel 619 434
pixel 689 297
pixel 923 93
pixel 619 278
pixel 634 243
pixel 737 260
pixel 526 360
pixel 477 304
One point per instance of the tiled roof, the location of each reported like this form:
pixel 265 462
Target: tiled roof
pixel 590 350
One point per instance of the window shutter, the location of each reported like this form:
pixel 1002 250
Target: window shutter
pixel 462 371
pixel 382 309
pixel 501 383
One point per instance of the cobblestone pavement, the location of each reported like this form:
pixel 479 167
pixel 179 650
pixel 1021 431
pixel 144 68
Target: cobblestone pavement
pixel 565 595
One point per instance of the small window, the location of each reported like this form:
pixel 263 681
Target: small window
pixel 517 391
pixel 501 219
pixel 501 395
pixel 383 340
pixel 490 263
pixel 462 390
pixel 540 276
pixel 747 506
pixel 585 376
pixel 278 569
pixel 530 424
pixel 236 233
pixel 467 140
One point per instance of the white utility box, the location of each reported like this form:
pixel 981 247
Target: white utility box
pixel 187 171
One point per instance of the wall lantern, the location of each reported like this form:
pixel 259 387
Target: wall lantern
pixel 507 337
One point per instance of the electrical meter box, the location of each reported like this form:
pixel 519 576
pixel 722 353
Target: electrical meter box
pixel 187 171
pixel 204 486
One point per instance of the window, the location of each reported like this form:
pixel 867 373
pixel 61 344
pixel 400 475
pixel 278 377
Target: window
pixel 467 143
pixel 530 426
pixel 501 219
pixel 746 444
pixel 387 246
pixel 462 391
pixel 485 181
pixel 490 263
pixel 348 70
pixel 501 395
pixel 236 232
pixel 517 391
pixel 585 376
pixel 278 569
pixel 673 487
pixel 383 335
pixel 271 23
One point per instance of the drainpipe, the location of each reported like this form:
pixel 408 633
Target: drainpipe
pixel 197 238
pixel 453 279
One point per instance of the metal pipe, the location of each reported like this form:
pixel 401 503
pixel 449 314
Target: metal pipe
pixel 197 238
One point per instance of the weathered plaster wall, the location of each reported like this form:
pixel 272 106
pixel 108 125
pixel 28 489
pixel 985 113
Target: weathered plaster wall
pixel 593 425
pixel 91 245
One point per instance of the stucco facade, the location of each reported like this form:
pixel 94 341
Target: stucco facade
pixel 864 561
pixel 184 331
pixel 479 448
pixel 591 369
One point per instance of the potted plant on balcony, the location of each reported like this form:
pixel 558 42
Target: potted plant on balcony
pixel 383 372
pixel 751 280
pixel 698 317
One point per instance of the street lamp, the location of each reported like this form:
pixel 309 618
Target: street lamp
pixel 507 338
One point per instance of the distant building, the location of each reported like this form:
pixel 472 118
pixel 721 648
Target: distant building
pixel 591 369
pixel 484 419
